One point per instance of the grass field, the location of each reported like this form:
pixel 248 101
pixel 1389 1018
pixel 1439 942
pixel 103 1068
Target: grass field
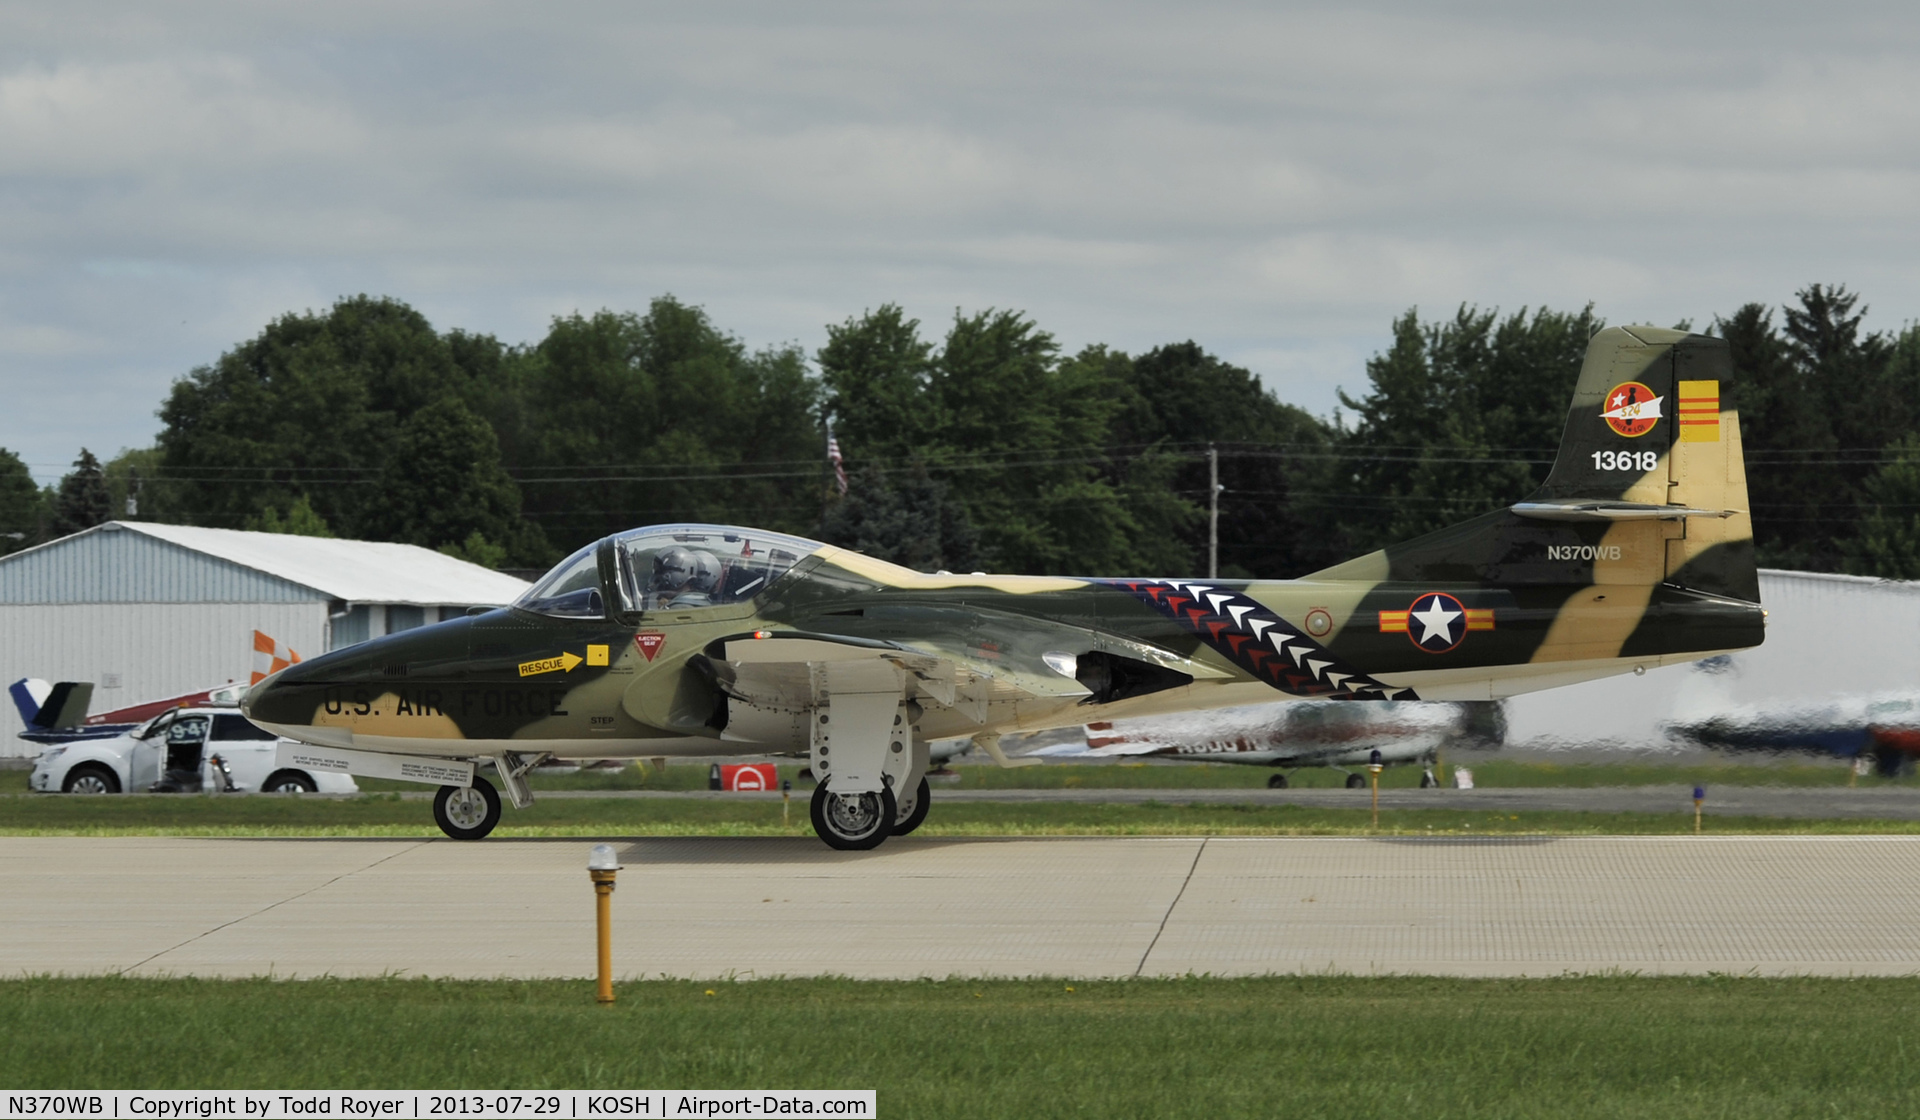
pixel 1288 1046
pixel 386 814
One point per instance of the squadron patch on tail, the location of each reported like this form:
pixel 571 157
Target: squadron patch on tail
pixel 1259 641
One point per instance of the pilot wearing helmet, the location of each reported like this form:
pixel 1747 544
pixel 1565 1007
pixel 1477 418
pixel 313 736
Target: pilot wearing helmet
pixel 685 578
pixel 672 571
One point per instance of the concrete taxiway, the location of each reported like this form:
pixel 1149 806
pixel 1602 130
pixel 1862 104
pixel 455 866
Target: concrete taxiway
pixel 932 907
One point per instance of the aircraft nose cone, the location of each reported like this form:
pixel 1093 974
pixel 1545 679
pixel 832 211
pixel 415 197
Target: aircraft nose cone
pixel 274 700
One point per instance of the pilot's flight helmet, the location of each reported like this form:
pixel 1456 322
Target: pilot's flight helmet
pixel 672 568
pixel 706 572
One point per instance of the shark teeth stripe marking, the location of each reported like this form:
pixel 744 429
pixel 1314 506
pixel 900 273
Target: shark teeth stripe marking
pixel 1259 628
pixel 1338 680
pixel 1216 600
pixel 1317 666
pixel 1239 612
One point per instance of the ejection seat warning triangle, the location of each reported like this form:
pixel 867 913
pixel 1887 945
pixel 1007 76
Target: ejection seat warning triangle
pixel 563 663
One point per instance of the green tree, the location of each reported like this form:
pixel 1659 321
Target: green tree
pixel 21 506
pixel 299 520
pixel 1887 543
pixel 1817 400
pixel 877 371
pixel 1463 416
pixel 644 419
pixel 312 407
pixel 443 482
pixel 1273 462
pixel 82 500
pixel 910 520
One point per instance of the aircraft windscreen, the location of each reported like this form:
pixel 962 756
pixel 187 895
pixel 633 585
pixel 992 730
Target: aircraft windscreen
pixel 681 566
pixel 570 590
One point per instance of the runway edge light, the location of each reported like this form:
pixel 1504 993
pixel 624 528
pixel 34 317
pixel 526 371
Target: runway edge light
pixel 602 865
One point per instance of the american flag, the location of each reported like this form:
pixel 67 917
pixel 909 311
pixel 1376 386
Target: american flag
pixel 839 464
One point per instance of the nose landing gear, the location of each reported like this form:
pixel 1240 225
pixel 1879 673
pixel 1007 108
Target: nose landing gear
pixel 467 813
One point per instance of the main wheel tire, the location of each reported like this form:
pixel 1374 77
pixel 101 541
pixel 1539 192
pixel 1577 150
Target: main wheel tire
pixel 853 824
pixel 467 814
pixel 914 812
pixel 1355 781
pixel 90 778
pixel 1278 781
pixel 289 781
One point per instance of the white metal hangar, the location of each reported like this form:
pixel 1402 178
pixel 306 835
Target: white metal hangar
pixel 147 611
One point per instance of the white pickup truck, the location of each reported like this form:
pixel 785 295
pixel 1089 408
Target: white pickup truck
pixel 181 750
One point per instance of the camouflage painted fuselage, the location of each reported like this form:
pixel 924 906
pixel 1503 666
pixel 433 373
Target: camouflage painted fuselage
pixel 1638 553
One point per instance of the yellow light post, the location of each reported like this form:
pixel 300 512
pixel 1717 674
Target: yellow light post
pixel 602 866
pixel 1699 797
pixel 1374 767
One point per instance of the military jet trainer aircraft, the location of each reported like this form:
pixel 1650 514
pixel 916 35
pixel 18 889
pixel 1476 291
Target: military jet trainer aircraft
pixel 706 640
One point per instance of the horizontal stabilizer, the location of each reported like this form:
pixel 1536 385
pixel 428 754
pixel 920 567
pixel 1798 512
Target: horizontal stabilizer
pixel 1613 511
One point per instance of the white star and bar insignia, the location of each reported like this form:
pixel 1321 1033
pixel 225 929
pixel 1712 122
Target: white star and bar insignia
pixel 1436 622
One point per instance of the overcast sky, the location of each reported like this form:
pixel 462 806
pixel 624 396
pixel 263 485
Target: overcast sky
pixel 1275 182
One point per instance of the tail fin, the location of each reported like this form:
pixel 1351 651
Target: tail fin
pixel 1640 543
pixel 51 707
pixel 28 695
pixel 1648 437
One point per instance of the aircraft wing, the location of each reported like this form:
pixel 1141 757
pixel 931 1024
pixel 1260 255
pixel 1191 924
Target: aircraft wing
pixel 1112 750
pixel 783 670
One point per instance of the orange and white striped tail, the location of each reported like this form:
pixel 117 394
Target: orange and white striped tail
pixel 1102 734
pixel 269 657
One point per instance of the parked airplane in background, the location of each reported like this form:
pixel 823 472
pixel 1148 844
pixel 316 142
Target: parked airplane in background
pixel 1882 726
pixel 1292 736
pixel 57 713
pixel 707 640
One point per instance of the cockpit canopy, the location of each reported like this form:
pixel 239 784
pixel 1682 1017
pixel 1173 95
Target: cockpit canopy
pixel 667 567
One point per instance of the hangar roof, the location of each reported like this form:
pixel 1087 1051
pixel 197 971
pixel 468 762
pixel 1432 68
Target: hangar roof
pixel 141 561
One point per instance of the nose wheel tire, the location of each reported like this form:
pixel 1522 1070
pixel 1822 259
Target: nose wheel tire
pixel 1355 781
pixel 856 822
pixel 467 814
pixel 1278 781
pixel 913 810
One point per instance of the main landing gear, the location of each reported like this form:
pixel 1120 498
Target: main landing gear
pixel 853 822
pixel 868 755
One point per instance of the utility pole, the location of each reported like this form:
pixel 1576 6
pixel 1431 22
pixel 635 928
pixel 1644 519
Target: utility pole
pixel 1213 512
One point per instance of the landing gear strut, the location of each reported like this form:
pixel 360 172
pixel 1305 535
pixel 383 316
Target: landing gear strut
pixel 467 813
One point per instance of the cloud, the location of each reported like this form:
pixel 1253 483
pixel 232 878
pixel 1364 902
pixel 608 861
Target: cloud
pixel 1275 182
